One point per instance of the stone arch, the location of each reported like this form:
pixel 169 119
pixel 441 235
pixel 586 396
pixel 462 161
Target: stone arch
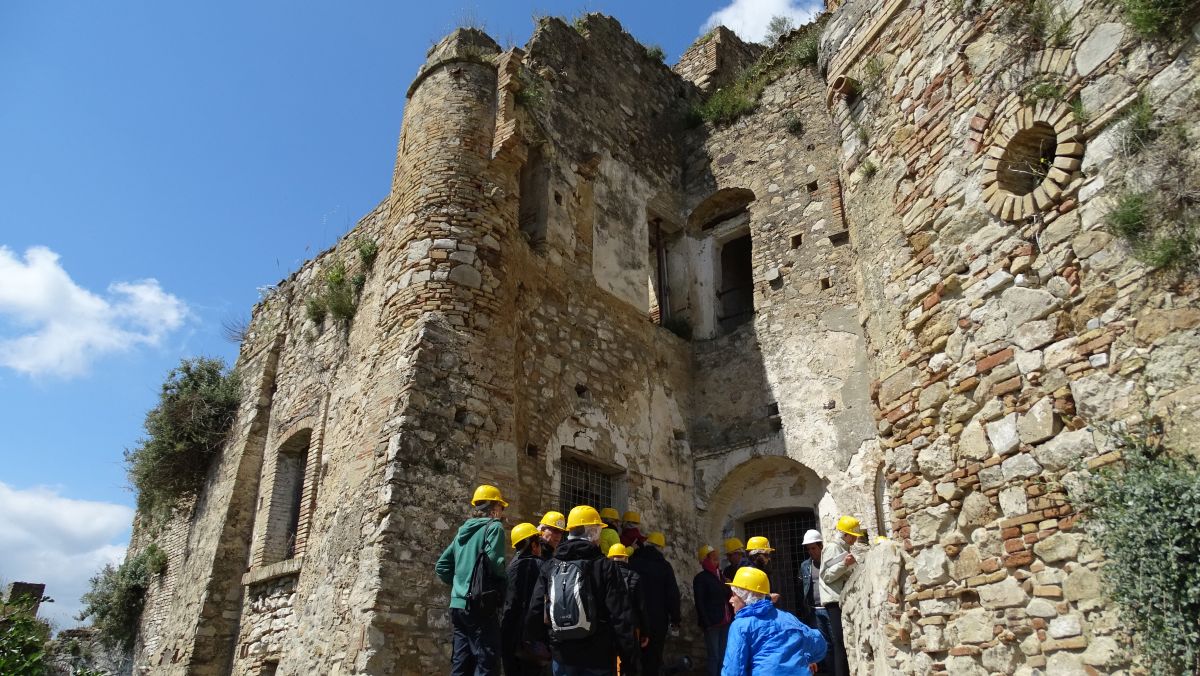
pixel 757 487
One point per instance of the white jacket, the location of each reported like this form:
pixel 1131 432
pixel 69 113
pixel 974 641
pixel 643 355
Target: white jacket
pixel 834 571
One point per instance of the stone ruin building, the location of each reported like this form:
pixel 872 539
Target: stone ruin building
pixel 852 299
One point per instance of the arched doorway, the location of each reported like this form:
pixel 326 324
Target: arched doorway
pixel 774 496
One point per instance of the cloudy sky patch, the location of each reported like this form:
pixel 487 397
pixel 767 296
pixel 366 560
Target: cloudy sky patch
pixel 49 325
pixel 749 18
pixel 60 542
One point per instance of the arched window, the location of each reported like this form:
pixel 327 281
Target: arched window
pixel 291 497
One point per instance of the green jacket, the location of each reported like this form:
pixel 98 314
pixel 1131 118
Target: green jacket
pixel 455 565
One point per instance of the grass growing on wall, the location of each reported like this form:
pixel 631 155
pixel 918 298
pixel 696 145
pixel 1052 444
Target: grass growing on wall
pixel 1158 18
pixel 184 433
pixel 1143 514
pixel 118 594
pixel 740 97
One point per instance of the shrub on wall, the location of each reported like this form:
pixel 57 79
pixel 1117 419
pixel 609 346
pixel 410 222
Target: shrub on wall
pixel 118 594
pixel 1143 515
pixel 23 639
pixel 185 431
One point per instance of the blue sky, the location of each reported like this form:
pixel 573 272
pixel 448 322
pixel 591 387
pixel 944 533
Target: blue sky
pixel 160 161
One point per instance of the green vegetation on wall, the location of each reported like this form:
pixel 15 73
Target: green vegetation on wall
pixel 185 432
pixel 740 97
pixel 1158 18
pixel 23 640
pixel 1143 515
pixel 118 594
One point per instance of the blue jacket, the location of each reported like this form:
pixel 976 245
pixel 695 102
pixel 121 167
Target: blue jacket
pixel 765 640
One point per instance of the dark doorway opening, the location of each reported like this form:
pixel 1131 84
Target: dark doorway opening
pixel 737 284
pixel 786 533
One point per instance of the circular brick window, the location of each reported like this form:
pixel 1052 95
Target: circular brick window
pixel 1031 161
pixel 1027 159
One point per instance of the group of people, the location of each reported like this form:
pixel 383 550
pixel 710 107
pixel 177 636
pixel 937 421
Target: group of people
pixel 587 594
pixel 758 637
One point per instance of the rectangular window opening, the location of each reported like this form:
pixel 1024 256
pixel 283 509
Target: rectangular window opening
pixel 840 238
pixel 736 297
pixel 534 196
pixel 584 484
pixel 797 240
pixel 812 187
pixel 824 283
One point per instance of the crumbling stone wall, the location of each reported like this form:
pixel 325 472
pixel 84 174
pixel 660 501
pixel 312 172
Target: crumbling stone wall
pixel 1003 326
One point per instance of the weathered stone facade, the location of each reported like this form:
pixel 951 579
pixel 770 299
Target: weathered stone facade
pixel 877 319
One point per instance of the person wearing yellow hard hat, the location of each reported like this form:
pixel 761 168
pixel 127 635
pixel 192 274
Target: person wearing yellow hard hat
pixel 619 554
pixel 631 533
pixel 713 611
pixel 764 639
pixel 592 625
pixel 661 595
pixel 837 562
pixel 735 554
pixel 760 552
pixel 609 536
pixel 519 652
pixel 551 530
pixel 474 608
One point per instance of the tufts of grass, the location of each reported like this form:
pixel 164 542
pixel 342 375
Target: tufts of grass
pixel 1079 112
pixel 657 53
pixel 1159 19
pixel 794 124
pixel 1141 129
pixel 1038 23
pixel 368 251
pixel 339 293
pixel 872 74
pixel 868 169
pixel 740 97
pixel 1042 90
pixel 314 309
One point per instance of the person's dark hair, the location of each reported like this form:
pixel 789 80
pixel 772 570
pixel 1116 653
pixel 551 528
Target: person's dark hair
pixel 578 532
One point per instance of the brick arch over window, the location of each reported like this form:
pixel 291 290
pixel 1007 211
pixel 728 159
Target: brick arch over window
pixel 287 499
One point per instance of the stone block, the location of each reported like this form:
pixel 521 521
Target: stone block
pixel 1082 584
pixel 1003 434
pixel 1039 607
pixel 1020 466
pixel 974 626
pixel 977 510
pixel 928 524
pixel 1065 626
pixel 1065 664
pixel 1013 501
pixel 1039 422
pixel 1004 594
pixel 973 443
pixel 1066 450
pixel 937 459
pixel 1097 47
pixel 930 566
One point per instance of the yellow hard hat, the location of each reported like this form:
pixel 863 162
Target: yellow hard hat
pixel 632 517
pixel 734 545
pixel 610 513
pixel 657 538
pixel 554 520
pixel 704 551
pixel 488 493
pixel 522 531
pixel 849 525
pixel 618 550
pixel 758 542
pixel 751 579
pixel 583 515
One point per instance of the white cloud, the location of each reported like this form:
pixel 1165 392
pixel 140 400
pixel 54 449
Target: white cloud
pixel 749 18
pixel 60 542
pixel 56 327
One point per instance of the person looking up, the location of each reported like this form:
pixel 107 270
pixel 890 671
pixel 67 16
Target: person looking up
pixel 837 562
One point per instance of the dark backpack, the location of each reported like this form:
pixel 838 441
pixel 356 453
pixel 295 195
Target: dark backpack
pixel 485 593
pixel 572 601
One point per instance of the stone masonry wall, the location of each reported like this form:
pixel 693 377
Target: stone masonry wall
pixel 1002 328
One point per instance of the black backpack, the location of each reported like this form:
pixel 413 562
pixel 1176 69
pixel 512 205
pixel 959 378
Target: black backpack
pixel 485 593
pixel 572 601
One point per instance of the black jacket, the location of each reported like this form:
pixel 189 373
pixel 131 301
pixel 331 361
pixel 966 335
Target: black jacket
pixel 732 570
pixel 633 588
pixel 523 572
pixel 613 636
pixel 660 591
pixel 712 597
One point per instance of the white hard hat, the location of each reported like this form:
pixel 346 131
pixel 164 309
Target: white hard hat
pixel 812 537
